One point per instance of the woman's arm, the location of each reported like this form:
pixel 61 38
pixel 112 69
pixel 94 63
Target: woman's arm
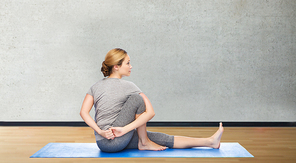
pixel 84 113
pixel 141 120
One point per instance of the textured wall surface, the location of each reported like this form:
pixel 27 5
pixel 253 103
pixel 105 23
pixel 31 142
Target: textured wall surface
pixel 197 60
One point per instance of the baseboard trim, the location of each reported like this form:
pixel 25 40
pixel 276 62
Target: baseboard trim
pixel 152 124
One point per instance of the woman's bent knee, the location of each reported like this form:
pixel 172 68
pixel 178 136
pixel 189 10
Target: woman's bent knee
pixel 138 101
pixel 136 97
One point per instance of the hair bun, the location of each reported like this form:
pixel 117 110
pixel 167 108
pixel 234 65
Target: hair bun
pixel 105 69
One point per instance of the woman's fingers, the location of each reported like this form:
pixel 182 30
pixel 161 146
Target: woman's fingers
pixel 113 130
pixel 117 131
pixel 109 134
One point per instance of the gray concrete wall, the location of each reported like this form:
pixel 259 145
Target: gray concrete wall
pixel 197 60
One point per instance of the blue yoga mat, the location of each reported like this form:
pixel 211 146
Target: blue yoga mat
pixel 90 150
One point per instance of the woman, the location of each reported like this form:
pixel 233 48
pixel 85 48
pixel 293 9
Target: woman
pixel 121 107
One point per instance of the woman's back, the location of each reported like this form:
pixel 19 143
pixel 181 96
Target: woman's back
pixel 109 96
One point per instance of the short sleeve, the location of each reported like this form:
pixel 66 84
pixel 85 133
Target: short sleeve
pixel 90 92
pixel 132 88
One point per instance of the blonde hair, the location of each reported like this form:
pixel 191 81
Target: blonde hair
pixel 113 57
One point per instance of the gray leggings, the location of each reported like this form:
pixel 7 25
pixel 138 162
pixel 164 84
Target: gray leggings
pixel 134 105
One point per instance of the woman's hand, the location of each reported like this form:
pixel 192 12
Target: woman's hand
pixel 108 134
pixel 118 131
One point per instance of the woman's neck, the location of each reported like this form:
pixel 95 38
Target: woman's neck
pixel 115 76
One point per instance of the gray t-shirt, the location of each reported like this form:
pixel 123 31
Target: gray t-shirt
pixel 109 96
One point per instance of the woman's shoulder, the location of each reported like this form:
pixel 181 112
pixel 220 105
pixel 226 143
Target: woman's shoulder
pixel 130 85
pixel 126 82
pixel 114 81
pixel 106 81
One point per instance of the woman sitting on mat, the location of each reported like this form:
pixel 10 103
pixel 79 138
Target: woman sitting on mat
pixel 121 107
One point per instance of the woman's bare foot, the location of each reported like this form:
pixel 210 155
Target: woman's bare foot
pixel 150 145
pixel 215 139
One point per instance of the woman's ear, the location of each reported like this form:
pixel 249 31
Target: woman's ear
pixel 116 67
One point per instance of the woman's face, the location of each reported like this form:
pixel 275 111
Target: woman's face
pixel 125 68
